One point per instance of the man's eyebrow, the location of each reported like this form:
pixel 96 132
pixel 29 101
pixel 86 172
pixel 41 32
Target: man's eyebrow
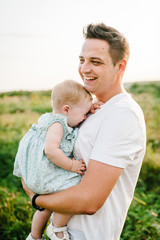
pixel 93 58
pixel 96 58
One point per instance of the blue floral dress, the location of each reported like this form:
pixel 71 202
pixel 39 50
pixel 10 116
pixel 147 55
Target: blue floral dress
pixel 32 164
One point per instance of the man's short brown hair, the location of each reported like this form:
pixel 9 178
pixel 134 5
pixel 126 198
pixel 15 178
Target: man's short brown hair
pixel 119 47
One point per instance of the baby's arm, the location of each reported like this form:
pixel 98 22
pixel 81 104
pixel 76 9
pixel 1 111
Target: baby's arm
pixel 56 155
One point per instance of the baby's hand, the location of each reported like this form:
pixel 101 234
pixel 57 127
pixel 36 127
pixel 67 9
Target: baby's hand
pixel 96 105
pixel 78 166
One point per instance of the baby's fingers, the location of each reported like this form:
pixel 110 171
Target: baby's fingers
pixel 82 162
pixel 81 173
pixel 95 105
pixel 83 168
pixel 100 103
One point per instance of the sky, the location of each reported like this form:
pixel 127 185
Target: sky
pixel 40 40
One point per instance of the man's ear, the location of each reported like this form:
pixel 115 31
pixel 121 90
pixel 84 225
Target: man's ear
pixel 122 65
pixel 65 109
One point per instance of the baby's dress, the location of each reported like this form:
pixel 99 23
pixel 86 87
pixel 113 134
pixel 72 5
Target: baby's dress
pixel 32 164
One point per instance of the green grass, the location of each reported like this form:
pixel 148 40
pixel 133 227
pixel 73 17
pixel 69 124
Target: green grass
pixel 143 219
pixel 15 215
pixel 19 110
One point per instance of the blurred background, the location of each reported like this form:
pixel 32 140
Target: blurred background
pixel 40 41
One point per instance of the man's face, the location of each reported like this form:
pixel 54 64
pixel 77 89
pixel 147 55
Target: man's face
pixel 96 68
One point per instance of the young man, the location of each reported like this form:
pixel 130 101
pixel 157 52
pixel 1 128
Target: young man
pixel 111 142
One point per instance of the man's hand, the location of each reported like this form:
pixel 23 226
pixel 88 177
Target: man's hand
pixel 78 166
pixel 28 191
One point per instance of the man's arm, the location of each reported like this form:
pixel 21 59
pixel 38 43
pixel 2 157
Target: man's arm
pixel 86 197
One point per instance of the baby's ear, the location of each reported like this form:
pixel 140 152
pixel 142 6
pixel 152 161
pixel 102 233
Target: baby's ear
pixel 65 109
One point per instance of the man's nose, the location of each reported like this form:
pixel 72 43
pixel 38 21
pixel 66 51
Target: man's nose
pixel 85 68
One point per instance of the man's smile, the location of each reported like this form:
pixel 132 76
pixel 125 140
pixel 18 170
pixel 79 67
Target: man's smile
pixel 85 78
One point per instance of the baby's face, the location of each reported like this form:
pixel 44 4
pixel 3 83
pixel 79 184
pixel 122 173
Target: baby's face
pixel 77 113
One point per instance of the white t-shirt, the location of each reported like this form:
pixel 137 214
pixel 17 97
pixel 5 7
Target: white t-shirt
pixel 114 135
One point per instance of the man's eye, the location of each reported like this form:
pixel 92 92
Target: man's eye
pixel 96 63
pixel 81 60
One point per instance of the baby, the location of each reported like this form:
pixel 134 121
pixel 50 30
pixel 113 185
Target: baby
pixel 45 157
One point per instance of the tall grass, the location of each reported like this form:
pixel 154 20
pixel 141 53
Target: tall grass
pixel 15 215
pixel 143 219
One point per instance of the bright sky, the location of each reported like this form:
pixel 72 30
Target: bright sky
pixel 40 40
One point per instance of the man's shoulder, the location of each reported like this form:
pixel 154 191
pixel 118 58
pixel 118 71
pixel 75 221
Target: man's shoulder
pixel 124 103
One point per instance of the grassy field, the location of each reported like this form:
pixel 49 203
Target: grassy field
pixel 18 110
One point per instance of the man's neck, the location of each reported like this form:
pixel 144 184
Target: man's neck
pixel 111 93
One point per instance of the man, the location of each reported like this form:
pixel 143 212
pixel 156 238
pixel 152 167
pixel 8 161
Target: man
pixel 111 142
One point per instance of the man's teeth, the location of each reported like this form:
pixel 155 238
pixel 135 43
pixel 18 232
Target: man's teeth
pixel 89 78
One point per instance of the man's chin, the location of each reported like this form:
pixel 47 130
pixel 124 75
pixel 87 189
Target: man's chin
pixel 88 88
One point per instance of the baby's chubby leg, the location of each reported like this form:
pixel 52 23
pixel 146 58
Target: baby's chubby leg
pixel 59 221
pixel 39 223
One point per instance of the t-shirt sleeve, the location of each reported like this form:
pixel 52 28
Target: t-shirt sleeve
pixel 119 139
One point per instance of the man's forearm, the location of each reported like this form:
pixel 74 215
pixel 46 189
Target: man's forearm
pixel 86 197
pixel 75 202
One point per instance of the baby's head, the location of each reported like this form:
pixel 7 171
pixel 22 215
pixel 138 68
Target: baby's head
pixel 71 99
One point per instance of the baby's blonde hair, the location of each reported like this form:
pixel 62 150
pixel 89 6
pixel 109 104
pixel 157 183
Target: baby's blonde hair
pixel 69 92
